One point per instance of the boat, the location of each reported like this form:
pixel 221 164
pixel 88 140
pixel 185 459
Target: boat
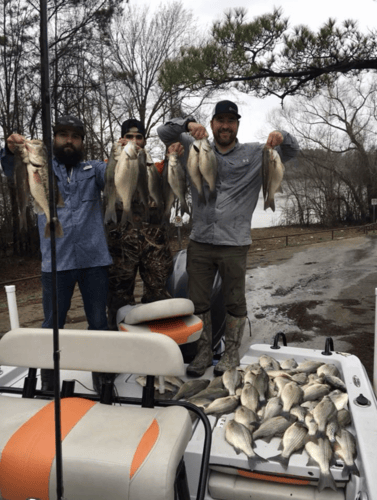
pixel 212 468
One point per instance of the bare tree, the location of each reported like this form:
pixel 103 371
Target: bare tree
pixel 338 161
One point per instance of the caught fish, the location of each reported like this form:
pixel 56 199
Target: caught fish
pixel 208 166
pixel 345 449
pixel 291 395
pixel 154 182
pixel 232 379
pixel 190 388
pixel 261 383
pixel 299 412
pixel 213 393
pixel 173 380
pixel 272 427
pixel 293 440
pixel 268 363
pixel 37 168
pixel 126 179
pixel 177 180
pixel 332 428
pixel 246 417
pixel 250 397
pixel 142 181
pixel 323 413
pixel 222 406
pixel 272 173
pixel 315 391
pixel 194 172
pixel 344 417
pixel 273 408
pixel 311 424
pixel 308 366
pixel 216 382
pixel 110 193
pixel 288 364
pixel 240 438
pixel 335 382
pixel 321 453
pixel 339 398
pixel 328 369
pixel 21 177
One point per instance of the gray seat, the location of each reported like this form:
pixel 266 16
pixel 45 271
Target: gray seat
pixel 112 452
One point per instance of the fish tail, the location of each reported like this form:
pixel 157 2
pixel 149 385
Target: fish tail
pixel 326 481
pixel 126 217
pixel 283 461
pixel 272 205
pixel 202 199
pixel 47 230
pixel 351 469
pixel 212 195
pixel 60 202
pixel 110 214
pixel 255 460
pixel 59 230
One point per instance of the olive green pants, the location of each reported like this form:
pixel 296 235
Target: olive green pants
pixel 203 261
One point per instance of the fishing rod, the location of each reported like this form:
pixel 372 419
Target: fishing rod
pixel 47 139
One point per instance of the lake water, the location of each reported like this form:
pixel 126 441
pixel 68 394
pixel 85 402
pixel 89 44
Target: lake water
pixel 268 218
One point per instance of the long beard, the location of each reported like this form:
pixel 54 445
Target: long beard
pixel 68 157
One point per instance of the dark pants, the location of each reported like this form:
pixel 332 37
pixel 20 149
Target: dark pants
pixel 203 261
pixel 93 284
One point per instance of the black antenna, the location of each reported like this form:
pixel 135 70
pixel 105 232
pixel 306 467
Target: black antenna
pixel 47 139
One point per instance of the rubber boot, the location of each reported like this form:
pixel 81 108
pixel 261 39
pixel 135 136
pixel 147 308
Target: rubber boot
pixel 234 328
pixel 203 358
pixel 47 379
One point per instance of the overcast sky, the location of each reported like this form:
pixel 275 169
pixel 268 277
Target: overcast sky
pixel 312 14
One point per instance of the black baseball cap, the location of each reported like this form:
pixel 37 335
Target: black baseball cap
pixel 128 124
pixel 71 123
pixel 225 107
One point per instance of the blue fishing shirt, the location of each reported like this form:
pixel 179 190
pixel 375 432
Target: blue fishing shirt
pixel 84 242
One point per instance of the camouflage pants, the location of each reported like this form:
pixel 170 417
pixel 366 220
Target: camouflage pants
pixel 146 249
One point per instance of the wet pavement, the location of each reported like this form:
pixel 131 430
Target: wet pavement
pixel 324 291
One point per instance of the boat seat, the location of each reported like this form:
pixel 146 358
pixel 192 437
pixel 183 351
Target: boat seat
pixel 109 452
pixel 171 317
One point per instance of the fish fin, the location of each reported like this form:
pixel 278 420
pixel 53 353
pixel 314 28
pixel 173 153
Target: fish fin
pixel 126 217
pixel 195 147
pixel 326 481
pixel 185 208
pixel 212 195
pixel 279 190
pixel 272 205
pixel 59 230
pixel 60 202
pixel 37 208
pixel 202 199
pixel 283 461
pixel 255 460
pixel 47 233
pixel 351 469
pixel 110 214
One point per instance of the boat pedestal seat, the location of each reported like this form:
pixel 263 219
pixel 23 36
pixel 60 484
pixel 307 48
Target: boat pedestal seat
pixel 130 452
pixel 109 452
pixel 171 317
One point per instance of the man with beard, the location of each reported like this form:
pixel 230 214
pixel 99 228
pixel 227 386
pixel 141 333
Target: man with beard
pixel 82 255
pixel 220 237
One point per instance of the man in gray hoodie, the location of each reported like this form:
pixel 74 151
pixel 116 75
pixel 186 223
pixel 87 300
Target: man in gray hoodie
pixel 220 236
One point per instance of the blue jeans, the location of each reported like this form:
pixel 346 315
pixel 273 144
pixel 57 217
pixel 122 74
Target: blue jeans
pixel 93 284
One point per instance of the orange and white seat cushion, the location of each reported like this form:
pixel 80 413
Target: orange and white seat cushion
pixel 109 452
pixel 171 317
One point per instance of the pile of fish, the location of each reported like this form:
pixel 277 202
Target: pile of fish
pixel 272 174
pixel 31 178
pixel 303 404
